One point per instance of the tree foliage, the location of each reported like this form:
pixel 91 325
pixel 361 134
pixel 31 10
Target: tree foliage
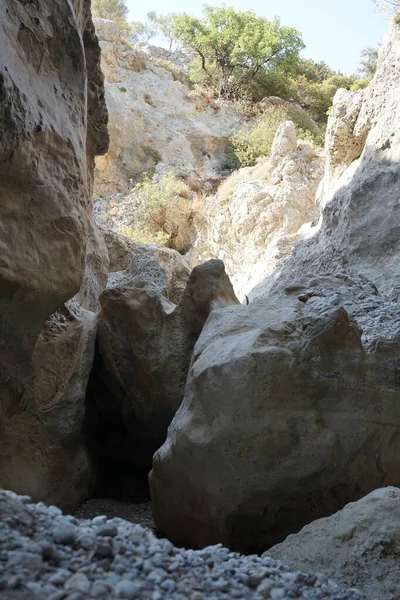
pixel 233 47
pixel 368 62
pixel 143 32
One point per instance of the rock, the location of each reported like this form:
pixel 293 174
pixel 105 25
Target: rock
pixel 301 406
pixel 53 261
pixel 285 142
pixel 291 403
pixel 156 122
pixel 64 534
pixel 358 231
pixel 164 270
pixel 254 219
pixel 144 348
pixel 212 573
pixel 357 546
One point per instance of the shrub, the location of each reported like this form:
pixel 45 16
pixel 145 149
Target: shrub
pixel 163 213
pixel 256 142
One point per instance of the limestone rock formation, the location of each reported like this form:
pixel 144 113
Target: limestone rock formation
pixel 53 265
pixel 291 405
pixel 286 416
pixel 358 546
pixel 252 222
pixel 155 123
pixel 145 343
pixel 165 271
pixel 359 231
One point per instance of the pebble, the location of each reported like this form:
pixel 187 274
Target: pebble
pixel 127 589
pixel 64 533
pixel 100 520
pixel 107 530
pixel 78 582
pixel 42 550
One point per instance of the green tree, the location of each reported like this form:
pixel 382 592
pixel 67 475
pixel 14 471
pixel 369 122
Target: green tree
pixel 143 32
pixel 166 26
pixel 368 62
pixel 233 47
pixel 114 10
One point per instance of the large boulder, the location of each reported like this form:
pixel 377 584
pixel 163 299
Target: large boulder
pixel 291 405
pixel 53 121
pixel 357 546
pixel 253 220
pixel 147 330
pixel 288 414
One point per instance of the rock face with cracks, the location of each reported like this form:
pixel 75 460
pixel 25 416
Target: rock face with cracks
pixel 358 546
pixel 155 123
pixel 53 266
pixel 253 220
pixel 145 343
pixel 291 406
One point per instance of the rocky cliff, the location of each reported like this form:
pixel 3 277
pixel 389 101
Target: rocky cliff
pixel 156 123
pixel 53 266
pixel 291 404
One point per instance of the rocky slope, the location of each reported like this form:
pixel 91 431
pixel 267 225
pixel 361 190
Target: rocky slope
pixel 155 123
pixel 53 266
pixel 291 404
pixel 253 220
pixel 45 555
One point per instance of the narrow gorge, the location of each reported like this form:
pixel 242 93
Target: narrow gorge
pixel 229 360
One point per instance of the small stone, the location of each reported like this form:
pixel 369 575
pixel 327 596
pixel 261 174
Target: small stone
pixel 107 530
pixel 277 593
pixel 256 578
pixel 78 582
pixel 59 577
pixel 59 595
pixel 127 589
pixel 99 588
pixel 103 547
pixel 64 533
pixel 87 542
pixel 14 582
pixel 26 560
pixel 25 499
pixel 49 553
pixel 264 589
pixel 119 569
pixel 196 596
pixel 168 585
pixel 54 511
pixel 99 520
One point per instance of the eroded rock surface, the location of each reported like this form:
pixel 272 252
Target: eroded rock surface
pixel 358 546
pixel 291 406
pixel 252 222
pixel 147 331
pixel 53 264
pixel 155 124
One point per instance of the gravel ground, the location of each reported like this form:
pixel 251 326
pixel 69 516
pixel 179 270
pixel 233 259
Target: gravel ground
pixel 45 555
pixel 134 512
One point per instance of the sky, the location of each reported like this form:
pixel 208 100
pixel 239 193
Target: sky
pixel 334 31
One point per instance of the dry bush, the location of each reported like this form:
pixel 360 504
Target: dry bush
pixel 165 212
